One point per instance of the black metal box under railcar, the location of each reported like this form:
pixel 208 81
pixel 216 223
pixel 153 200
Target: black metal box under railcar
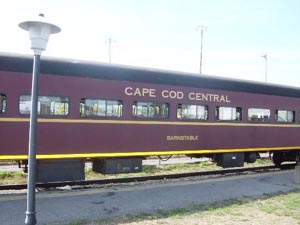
pixel 227 160
pixel 114 166
pixel 60 170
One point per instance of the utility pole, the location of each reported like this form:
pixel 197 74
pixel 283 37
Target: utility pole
pixel 109 41
pixel 201 28
pixel 265 56
pixel 109 49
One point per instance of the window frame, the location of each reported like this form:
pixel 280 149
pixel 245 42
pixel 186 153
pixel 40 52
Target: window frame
pixel 40 105
pixel 105 116
pixel 217 114
pixel 260 120
pixel 134 111
pixel 206 112
pixel 3 103
pixel 287 121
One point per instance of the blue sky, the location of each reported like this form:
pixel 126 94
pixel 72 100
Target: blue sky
pixel 161 34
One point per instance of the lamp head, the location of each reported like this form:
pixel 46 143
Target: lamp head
pixel 39 32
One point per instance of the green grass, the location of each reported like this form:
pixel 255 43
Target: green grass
pixel 8 177
pixel 81 222
pixel 279 206
pixel 8 174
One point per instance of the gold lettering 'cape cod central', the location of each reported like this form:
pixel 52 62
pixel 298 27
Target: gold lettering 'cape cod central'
pixel 171 94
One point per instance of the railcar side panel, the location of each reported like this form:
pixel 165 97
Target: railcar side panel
pixel 80 136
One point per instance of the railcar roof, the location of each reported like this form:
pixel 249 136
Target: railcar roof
pixel 69 67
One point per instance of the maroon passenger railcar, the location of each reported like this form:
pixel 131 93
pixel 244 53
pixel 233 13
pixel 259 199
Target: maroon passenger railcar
pixel 93 110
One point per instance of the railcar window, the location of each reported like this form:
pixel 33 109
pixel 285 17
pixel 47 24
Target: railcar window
pixel 100 108
pixel 150 110
pixel 193 112
pixel 285 116
pixel 47 105
pixel 229 113
pixel 2 103
pixel 259 115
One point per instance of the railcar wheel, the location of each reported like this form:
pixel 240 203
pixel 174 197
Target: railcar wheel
pixel 277 159
pixel 250 157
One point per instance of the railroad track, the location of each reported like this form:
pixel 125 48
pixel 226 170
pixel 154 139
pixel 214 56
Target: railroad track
pixel 85 183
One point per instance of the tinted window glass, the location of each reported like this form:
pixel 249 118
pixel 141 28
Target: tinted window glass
pixel 2 103
pixel 196 112
pixel 229 113
pixel 259 115
pixel 47 105
pixel 101 108
pixel 151 110
pixel 285 116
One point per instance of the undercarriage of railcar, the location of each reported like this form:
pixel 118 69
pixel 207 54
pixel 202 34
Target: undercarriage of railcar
pixel 279 157
pixel 231 159
pixel 237 159
pixel 74 169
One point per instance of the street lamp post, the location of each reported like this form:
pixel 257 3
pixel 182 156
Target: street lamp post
pixel 39 32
